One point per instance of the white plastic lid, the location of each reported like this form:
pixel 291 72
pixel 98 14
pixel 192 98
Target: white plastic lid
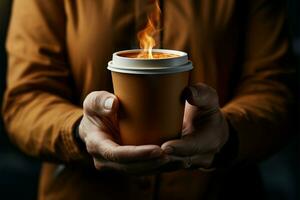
pixel 128 65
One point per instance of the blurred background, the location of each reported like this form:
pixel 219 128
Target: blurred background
pixel 19 174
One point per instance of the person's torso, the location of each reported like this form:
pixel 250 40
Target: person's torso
pixel 209 31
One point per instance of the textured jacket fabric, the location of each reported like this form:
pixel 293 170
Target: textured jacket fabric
pixel 58 53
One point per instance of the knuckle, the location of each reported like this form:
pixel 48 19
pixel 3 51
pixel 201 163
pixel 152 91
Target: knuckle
pixel 109 155
pixel 93 99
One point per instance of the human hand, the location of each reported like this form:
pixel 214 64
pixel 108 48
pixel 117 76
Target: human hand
pixel 99 131
pixel 205 130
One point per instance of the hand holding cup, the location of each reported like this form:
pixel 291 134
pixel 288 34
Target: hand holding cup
pixel 99 130
pixel 205 130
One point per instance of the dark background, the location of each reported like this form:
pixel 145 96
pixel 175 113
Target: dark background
pixel 19 173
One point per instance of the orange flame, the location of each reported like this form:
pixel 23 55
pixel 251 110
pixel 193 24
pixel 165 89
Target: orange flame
pixel 146 36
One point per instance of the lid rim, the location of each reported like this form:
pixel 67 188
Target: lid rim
pixel 163 70
pixel 177 64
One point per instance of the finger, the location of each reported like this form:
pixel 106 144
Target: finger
pixel 101 103
pixel 185 146
pixel 195 161
pixel 101 144
pixel 189 145
pixel 201 160
pixel 129 153
pixel 175 163
pixel 137 168
pixel 202 96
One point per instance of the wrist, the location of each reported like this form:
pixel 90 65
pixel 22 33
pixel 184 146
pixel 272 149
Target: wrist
pixel 80 143
pixel 226 157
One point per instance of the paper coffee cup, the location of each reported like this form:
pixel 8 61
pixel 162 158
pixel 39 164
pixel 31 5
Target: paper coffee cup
pixel 150 95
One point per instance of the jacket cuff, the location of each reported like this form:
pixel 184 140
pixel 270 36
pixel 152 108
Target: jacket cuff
pixel 71 149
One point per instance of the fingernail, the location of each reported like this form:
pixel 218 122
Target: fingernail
pixel 156 153
pixel 108 103
pixel 168 150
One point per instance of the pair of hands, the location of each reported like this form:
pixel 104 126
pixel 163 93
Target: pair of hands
pixel 205 131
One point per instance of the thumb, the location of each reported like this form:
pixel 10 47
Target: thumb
pixel 101 103
pixel 202 96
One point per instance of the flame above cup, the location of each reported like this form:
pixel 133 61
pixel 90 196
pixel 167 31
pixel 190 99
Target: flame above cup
pixel 146 36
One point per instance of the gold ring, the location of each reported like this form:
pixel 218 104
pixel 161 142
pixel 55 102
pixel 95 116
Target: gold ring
pixel 188 162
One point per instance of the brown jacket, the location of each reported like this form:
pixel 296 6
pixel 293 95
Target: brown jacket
pixel 58 52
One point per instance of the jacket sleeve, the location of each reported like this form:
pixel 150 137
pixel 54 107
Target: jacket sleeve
pixel 261 111
pixel 38 111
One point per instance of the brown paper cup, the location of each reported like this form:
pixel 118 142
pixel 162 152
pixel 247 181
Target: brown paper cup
pixel 150 94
